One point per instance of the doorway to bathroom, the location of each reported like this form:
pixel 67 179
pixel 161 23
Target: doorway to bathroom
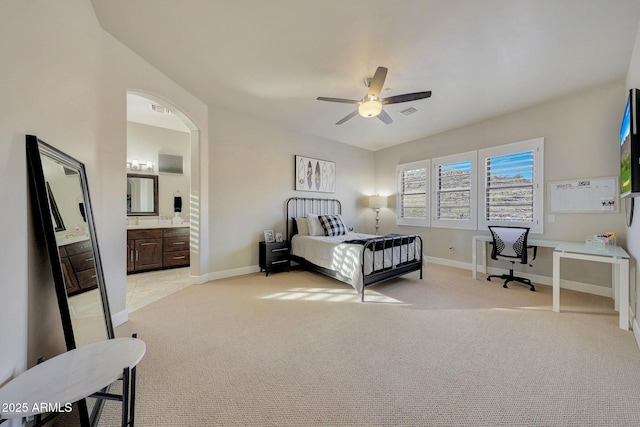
pixel 158 201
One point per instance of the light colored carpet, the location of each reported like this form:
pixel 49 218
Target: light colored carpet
pixel 299 349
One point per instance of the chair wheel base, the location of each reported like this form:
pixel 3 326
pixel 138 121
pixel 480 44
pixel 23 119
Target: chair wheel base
pixel 511 278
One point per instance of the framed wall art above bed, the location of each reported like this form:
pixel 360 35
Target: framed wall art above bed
pixel 314 175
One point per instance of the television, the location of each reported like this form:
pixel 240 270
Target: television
pixel 630 148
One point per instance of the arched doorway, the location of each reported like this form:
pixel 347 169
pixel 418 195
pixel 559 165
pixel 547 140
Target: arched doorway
pixel 146 112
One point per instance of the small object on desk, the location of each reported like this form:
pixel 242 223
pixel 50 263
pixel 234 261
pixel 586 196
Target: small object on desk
pixel 274 255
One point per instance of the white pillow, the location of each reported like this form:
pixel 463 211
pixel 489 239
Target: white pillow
pixel 315 228
pixel 303 227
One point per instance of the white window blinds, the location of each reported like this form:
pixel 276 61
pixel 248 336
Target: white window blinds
pixel 413 188
pixel 511 176
pixel 453 191
pixel 509 187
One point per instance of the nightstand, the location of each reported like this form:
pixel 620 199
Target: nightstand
pixel 274 255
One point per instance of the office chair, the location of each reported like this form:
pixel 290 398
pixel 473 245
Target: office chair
pixel 510 244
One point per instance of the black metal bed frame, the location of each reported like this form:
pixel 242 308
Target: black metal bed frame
pixel 298 207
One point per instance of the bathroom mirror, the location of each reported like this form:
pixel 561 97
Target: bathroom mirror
pixel 142 194
pixel 62 205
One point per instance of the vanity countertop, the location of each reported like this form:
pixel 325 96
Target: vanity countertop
pixel 156 225
pixel 63 241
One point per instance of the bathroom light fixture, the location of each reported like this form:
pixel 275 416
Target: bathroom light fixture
pixel 141 165
pixel 377 202
pixel 370 108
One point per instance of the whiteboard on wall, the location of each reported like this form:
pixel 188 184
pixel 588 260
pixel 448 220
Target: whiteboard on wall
pixel 585 195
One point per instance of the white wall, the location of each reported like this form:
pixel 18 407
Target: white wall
pixel 581 140
pixel 633 233
pixel 144 142
pixel 252 175
pixel 65 80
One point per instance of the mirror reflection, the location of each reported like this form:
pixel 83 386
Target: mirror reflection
pixel 61 194
pixel 75 249
pixel 142 194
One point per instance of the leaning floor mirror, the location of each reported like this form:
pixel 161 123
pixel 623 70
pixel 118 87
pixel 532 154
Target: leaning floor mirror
pixel 60 197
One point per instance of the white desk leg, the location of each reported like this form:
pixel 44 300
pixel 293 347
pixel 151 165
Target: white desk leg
pixel 484 257
pixel 474 251
pixel 615 284
pixel 623 275
pixel 556 281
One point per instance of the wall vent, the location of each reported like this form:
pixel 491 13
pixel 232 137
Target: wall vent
pixel 409 110
pixel 160 109
pixel 170 163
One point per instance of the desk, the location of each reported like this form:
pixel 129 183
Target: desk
pixel 614 255
pixel 72 376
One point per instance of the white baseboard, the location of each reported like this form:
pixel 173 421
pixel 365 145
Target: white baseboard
pixel 537 279
pixel 233 272
pixel 449 263
pixel 120 317
pixel 199 280
pixel 635 326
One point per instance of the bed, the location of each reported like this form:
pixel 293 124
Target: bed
pixel 357 259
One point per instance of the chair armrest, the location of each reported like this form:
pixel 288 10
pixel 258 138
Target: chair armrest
pixel 535 251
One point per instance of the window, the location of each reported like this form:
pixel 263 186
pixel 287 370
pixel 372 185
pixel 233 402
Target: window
pixel 512 194
pixel 413 188
pixel 454 191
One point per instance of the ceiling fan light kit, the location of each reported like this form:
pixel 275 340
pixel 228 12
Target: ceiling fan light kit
pixel 371 104
pixel 370 108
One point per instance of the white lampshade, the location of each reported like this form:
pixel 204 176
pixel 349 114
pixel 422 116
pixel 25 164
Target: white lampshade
pixel 378 202
pixel 135 164
pixel 370 108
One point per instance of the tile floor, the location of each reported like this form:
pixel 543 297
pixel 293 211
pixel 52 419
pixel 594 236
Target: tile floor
pixel 142 289
pixel 145 288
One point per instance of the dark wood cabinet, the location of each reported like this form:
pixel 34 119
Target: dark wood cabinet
pixel 176 247
pixel 274 256
pixel 131 256
pixel 78 267
pixel 148 254
pixel 157 249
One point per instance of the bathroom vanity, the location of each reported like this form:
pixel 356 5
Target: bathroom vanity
pixel 157 248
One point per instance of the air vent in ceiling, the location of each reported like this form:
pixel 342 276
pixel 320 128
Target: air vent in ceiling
pixel 409 110
pixel 160 109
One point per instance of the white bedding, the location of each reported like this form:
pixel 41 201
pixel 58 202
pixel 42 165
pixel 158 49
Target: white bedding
pixel 345 258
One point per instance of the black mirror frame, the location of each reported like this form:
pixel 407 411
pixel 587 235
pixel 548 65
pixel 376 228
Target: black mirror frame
pixel 156 210
pixel 39 196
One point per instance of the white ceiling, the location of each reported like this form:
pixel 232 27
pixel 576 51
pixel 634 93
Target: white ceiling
pixel 271 59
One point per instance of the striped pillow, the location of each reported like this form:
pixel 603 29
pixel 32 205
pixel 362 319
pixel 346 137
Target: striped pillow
pixel 333 225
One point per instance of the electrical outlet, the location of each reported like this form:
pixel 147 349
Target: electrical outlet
pixel 451 250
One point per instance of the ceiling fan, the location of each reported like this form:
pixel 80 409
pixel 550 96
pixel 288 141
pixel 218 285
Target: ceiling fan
pixel 371 104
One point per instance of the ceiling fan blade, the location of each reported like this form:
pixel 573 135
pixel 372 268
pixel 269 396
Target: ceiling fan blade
pixel 347 117
pixel 342 100
pixel 377 82
pixel 406 97
pixel 386 118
